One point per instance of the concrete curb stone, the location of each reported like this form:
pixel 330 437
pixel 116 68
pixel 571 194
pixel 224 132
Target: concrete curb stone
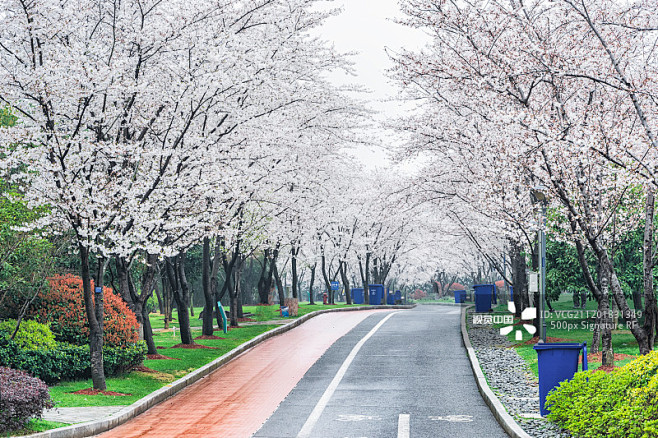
pixel 96 427
pixel 497 409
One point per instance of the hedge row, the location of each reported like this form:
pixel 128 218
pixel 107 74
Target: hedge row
pixel 68 361
pixel 621 404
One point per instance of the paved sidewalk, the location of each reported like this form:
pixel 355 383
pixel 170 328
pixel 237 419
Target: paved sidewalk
pixel 236 400
pixel 80 415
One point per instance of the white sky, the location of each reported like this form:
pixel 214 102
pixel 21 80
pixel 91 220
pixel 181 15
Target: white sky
pixel 367 27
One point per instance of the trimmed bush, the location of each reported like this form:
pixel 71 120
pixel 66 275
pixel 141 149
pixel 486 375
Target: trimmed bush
pixel 68 361
pixel 30 336
pixel 62 307
pixel 21 397
pixel 621 404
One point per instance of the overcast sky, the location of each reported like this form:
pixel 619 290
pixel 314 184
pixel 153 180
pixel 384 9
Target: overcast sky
pixel 367 27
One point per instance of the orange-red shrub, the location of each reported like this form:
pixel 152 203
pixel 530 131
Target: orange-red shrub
pixel 62 307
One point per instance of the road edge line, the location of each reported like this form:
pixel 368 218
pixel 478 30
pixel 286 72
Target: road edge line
pixel 95 427
pixel 497 409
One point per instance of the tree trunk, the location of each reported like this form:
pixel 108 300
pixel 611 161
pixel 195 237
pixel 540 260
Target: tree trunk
pixel 279 285
pixel 95 329
pixel 607 354
pixel 650 307
pixel 346 283
pixel 238 290
pixel 365 278
pixel 631 320
pixel 148 333
pixel 233 296
pixel 323 266
pixel 207 329
pixel 596 333
pixel 214 286
pixel 178 282
pixel 263 290
pixel 158 295
pixel 148 284
pixel 519 280
pixel 311 300
pixel 293 254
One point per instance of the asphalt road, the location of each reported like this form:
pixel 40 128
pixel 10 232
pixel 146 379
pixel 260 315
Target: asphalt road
pixel 409 379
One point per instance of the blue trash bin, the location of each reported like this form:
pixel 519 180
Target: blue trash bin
pixel 390 298
pixel 483 298
pixel 357 295
pixel 376 294
pixel 285 311
pixel 511 293
pixel 460 296
pixel 557 362
pixel 398 297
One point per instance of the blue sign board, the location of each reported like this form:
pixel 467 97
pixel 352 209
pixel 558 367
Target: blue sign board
pixel 335 285
pixel 98 289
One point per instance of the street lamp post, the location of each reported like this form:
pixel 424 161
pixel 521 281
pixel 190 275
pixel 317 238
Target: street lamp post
pixel 539 195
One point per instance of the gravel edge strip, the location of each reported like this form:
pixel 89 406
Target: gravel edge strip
pixel 497 409
pixel 92 428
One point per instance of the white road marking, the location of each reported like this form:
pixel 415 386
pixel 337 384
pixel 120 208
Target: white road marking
pixel 358 417
pixel 403 426
pixel 454 418
pixel 312 419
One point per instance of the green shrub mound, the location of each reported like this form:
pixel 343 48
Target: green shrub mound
pixel 621 404
pixel 30 336
pixel 68 361
pixel 22 397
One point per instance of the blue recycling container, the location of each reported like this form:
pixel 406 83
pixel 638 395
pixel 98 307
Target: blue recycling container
pixel 557 362
pixel 376 294
pixel 460 296
pixel 398 296
pixel 357 295
pixel 390 298
pixel 511 293
pixel 285 311
pixel 483 298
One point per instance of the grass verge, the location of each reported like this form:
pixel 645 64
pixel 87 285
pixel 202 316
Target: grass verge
pixel 35 426
pixel 259 313
pixel 140 384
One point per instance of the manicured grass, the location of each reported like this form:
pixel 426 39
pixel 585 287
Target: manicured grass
pixel 36 425
pixel 140 384
pixel 570 325
pixel 260 313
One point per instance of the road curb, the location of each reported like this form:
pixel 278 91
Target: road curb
pixel 497 409
pixel 96 427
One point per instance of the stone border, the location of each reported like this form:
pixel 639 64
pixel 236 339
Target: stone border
pixel 96 427
pixel 497 409
pixel 446 304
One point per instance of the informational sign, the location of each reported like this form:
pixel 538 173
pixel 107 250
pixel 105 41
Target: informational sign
pixel 223 315
pixel 335 285
pixel 533 282
pixel 98 289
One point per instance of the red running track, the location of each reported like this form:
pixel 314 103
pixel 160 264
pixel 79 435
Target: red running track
pixel 235 400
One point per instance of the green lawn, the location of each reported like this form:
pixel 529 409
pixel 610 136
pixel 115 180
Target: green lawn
pixel 573 326
pixel 34 426
pixel 260 313
pixel 141 384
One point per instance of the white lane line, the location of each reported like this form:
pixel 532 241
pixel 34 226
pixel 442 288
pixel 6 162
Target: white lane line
pixel 329 392
pixel 403 426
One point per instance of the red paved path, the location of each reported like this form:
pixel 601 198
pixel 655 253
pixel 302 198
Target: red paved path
pixel 235 400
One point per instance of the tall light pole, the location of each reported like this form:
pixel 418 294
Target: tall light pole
pixel 539 195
